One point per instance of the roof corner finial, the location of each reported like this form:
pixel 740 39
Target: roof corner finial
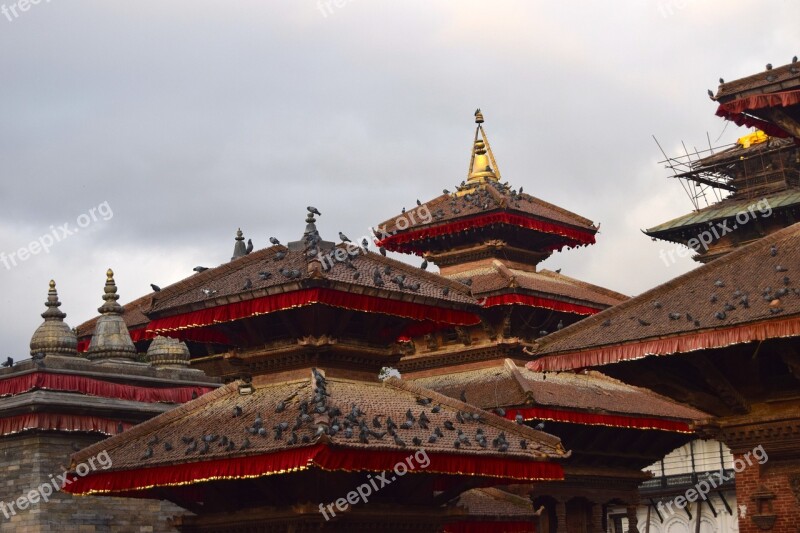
pixel 53 312
pixel 54 336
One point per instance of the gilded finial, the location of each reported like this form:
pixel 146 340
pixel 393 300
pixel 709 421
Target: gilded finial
pixel 109 275
pixel 52 285
pixel 478 116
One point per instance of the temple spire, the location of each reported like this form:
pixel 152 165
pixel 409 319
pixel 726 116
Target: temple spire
pixel 482 165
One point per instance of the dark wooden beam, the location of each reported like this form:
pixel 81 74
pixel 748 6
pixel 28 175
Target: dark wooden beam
pixel 783 120
pixel 719 383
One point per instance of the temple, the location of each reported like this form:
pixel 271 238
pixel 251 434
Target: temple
pixel 318 385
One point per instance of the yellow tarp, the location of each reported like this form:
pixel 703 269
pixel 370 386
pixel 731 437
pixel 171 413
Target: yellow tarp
pixel 753 138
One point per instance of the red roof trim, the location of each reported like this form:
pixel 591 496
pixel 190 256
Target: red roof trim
pixel 575 236
pixel 538 301
pixel 58 422
pixel 19 384
pixel 599 419
pixel 278 302
pixel 319 456
pixel 719 338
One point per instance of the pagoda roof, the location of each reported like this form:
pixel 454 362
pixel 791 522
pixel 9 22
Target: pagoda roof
pixel 486 204
pixel 497 284
pixel 484 200
pixel 724 209
pixel 767 100
pixel 751 294
pixel 563 397
pixel 227 417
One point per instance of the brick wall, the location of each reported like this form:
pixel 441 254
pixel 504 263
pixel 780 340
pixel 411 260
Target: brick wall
pixel 774 477
pixel 27 461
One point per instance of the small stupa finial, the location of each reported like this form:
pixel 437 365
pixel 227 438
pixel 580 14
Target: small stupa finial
pixel 111 339
pixel 482 166
pixel 239 249
pixel 53 336
pixel 110 295
pixel 478 116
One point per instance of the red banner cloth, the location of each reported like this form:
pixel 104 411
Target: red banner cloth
pixel 705 340
pixel 56 422
pixel 577 237
pixel 320 456
pixel 599 419
pixel 735 110
pixel 94 387
pixel 334 298
pixel 491 527
pixel 538 301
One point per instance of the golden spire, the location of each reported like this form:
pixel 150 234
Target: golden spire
pixel 482 165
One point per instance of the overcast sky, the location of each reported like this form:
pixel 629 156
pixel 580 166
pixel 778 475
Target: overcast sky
pixel 189 119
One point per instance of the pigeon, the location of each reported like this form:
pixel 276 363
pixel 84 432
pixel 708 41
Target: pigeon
pixel 519 419
pixel 445 291
pixel 779 268
pixel 120 427
pixel 249 246
pixel 539 426
pixel 264 275
pixel 500 411
pixel 432 439
pixel 657 304
pixel 643 322
pixel 720 315
pixel 274 241
pixel 424 264
pixel 424 401
pixel 8 363
pixel 399 441
pixel 192 447
pixel 155 287
pixel 208 292
pixel 148 453
pixel 449 425
pixel 769 66
pixel 237 411
pixel 445 191
pixel 167 447
pixel 773 250
pixel 382 250
pixel 364 243
pixel 710 94
pixel 343 237
pixel 436 409
pixel 418 202
pixel 606 323
pixel 245 444
pixel 281 407
pixel 194 395
pixel 199 269
pixel 719 283
pixel 248 284
pixel 313 210
pixel 560 324
pixel 721 81
pixel 279 255
pixel 794 59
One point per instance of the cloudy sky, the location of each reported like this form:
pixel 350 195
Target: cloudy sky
pixel 184 120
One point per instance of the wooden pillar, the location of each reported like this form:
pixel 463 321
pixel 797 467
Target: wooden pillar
pixel 597 518
pixel 632 520
pixel 561 517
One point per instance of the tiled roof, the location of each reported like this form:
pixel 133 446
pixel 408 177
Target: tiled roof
pixel 496 505
pixel 367 403
pixel 786 77
pixel 727 208
pixel 756 283
pixel 506 385
pixel 484 199
pixel 496 278
pixel 230 280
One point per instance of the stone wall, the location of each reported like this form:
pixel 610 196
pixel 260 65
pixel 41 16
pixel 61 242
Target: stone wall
pixel 29 461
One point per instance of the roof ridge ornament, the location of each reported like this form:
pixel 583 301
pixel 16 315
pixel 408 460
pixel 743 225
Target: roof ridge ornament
pixel 111 339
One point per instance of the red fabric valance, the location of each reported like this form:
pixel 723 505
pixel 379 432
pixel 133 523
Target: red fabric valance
pixel 760 101
pixel 318 456
pixel 94 387
pixel 575 236
pixel 538 301
pixel 56 422
pixel 491 527
pixel 704 340
pixel 599 419
pixel 334 298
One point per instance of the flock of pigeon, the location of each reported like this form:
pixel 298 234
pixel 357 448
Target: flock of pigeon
pixel 295 424
pixel 738 298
